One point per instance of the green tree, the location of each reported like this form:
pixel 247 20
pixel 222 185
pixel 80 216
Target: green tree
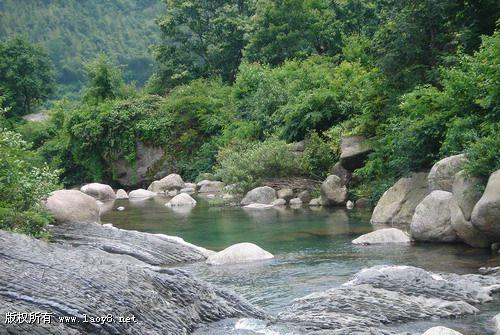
pixel 199 39
pixel 26 75
pixel 105 81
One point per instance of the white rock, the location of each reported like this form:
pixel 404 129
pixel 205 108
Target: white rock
pixel 295 202
pixel 496 323
pixel 171 182
pixel 99 191
pixel 279 202
pixel 443 173
pixel 239 253
pixel 141 194
pixel 72 206
pixel 349 204
pixel 285 193
pixel 259 206
pixel 188 190
pixel 383 236
pixel 121 208
pixel 441 331
pixel 228 196
pixel 190 185
pixel 172 193
pixel 182 199
pixel 121 194
pixel 315 202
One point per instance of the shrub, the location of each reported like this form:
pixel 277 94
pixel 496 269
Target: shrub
pixel 318 156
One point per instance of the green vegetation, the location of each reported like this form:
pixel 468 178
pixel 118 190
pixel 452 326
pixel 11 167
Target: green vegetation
pixel 237 81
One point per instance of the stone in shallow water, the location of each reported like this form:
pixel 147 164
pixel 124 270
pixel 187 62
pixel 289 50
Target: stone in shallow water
pixel 182 199
pixel 441 331
pixel 239 253
pixel 259 206
pixel 383 236
pixel 141 194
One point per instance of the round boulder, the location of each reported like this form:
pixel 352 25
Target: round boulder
pixel 439 330
pixel 211 187
pixel 99 191
pixel 486 213
pixel 72 206
pixel 315 202
pixel 239 253
pixel 363 203
pixel 171 182
pixel 383 236
pixel 443 173
pixel 121 194
pixel 432 220
pixel 465 192
pixel 141 194
pixel 296 202
pixel 182 199
pixel 464 228
pixel 259 195
pixel 333 192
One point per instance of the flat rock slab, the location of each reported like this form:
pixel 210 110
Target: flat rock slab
pixel 383 236
pixel 149 248
pixel 36 276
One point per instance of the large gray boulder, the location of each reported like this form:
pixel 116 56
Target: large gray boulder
pixel 354 152
pixel 397 205
pixel 211 187
pixel 464 228
pixel 74 282
pixel 99 191
pixel 169 183
pixel 149 164
pixel 341 172
pixel 182 199
pixel 383 236
pixel 259 195
pixel 72 206
pixel 443 173
pixel 432 219
pixel 466 193
pixel 486 212
pixel 333 191
pixel 239 253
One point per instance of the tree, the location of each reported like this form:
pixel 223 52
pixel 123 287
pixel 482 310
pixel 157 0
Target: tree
pixel 199 39
pixel 104 80
pixel 26 75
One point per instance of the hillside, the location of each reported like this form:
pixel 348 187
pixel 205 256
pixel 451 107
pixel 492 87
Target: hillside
pixel 74 31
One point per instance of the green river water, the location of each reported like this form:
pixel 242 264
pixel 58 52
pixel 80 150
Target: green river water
pixel 312 248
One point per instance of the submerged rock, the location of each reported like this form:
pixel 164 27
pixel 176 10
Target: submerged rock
pixel 259 195
pixel 72 206
pixel 441 331
pixel 443 173
pixel 383 236
pixel 182 199
pixel 239 253
pixel 74 282
pixel 99 191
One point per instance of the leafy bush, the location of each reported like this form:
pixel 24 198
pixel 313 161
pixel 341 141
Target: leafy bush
pixel 318 156
pixel 247 164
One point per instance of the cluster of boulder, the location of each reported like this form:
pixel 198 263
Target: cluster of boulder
pixel 444 205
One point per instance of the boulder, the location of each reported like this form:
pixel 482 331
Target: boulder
pixel 239 253
pixel 397 205
pixel 305 196
pixel 315 202
pixel 298 146
pixel 99 191
pixel 295 202
pixel 72 206
pixel 443 173
pixel 285 193
pixel 141 194
pixel 171 182
pixel 211 187
pixel 496 324
pixel 172 193
pixel 149 164
pixel 259 195
pixel 464 228
pixel 279 202
pixel 354 152
pixel 333 192
pixel 182 199
pixel 383 236
pixel 439 330
pixel 363 203
pixel 188 190
pixel 466 193
pixel 432 219
pixel 486 213
pixel 344 174
pixel 259 206
pixel 349 204
pixel 190 185
pixel 121 194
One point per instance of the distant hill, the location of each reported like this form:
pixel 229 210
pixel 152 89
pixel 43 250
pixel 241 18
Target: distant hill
pixel 74 31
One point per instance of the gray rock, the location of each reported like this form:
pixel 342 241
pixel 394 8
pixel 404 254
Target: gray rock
pixel 149 163
pixel 305 196
pixel 465 192
pixel 172 193
pixel 188 190
pixel 363 203
pixel 315 202
pixel 190 185
pixel 99 191
pixel 397 205
pixel 169 183
pixel 211 187
pixel 285 193
pixel 432 219
pixel 465 230
pixel 72 206
pixel 443 173
pixel 259 195
pixel 121 194
pixel 71 282
pixel 344 174
pixel 295 202
pixel 333 193
pixel 440 330
pixel 141 194
pixel 496 323
pixel 279 202
pixel 383 236
pixel 486 213
pixel 182 199
pixel 298 146
pixel 239 253
pixel 354 152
